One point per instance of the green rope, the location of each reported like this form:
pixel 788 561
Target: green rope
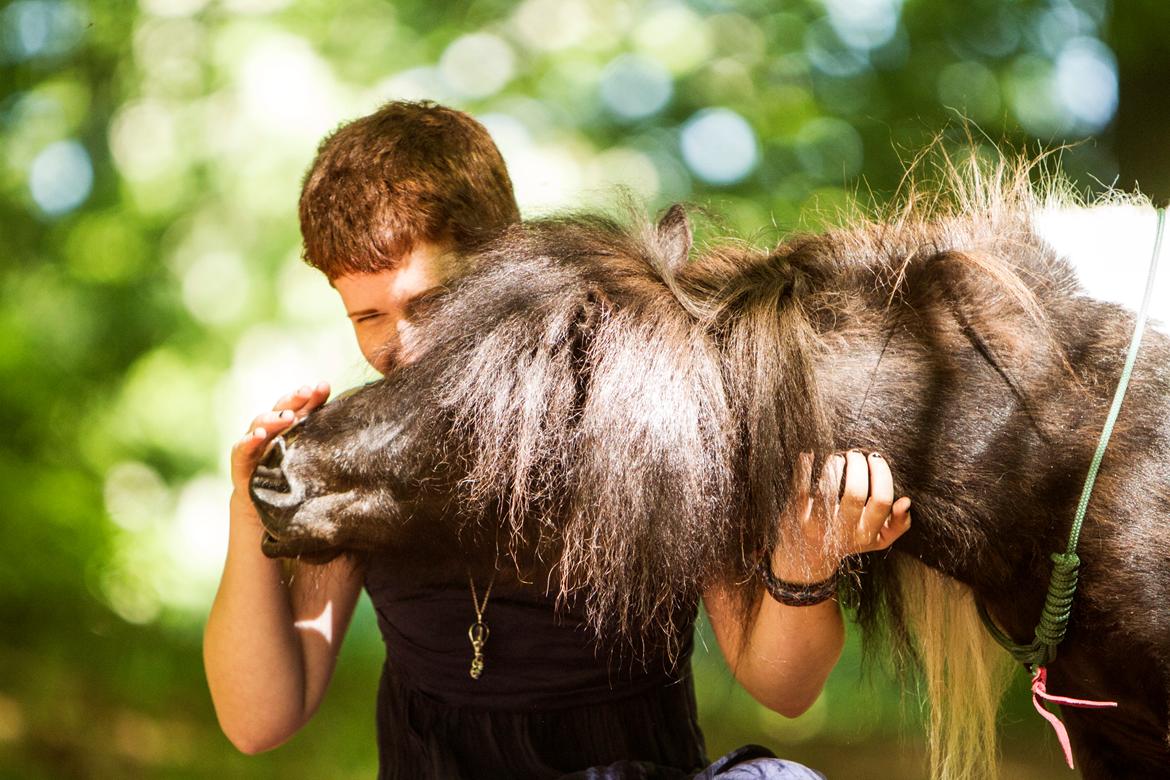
pixel 1062 585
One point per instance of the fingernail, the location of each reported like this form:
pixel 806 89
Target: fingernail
pixel 305 390
pixel 259 433
pixel 286 414
pixel 859 452
pixel 323 386
pixel 875 455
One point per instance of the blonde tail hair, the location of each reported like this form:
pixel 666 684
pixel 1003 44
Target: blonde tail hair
pixel 965 673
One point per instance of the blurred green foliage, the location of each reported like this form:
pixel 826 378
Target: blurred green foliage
pixel 151 298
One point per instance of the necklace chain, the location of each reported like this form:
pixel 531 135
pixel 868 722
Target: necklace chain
pixel 479 608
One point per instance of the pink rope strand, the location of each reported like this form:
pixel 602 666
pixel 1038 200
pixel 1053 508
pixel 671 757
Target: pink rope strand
pixel 1040 692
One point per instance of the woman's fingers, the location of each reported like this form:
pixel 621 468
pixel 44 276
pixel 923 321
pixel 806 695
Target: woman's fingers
pixel 273 422
pixel 881 499
pixel 304 400
pixel 856 487
pixel 897 524
pixel 317 395
pixel 867 505
pixel 870 518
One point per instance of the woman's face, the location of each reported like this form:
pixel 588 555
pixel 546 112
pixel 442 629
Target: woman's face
pixel 379 304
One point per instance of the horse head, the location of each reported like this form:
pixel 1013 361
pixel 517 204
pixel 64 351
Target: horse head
pixel 348 477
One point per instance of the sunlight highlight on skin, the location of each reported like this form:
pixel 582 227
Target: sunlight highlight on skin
pixel 322 624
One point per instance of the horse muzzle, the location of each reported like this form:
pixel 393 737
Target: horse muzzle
pixel 276 499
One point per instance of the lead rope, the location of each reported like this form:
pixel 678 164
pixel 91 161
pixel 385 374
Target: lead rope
pixel 1062 585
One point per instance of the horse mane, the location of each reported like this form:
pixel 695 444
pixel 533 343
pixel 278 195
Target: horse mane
pixel 589 415
pixel 963 226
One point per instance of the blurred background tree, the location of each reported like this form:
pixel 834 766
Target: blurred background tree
pixel 153 299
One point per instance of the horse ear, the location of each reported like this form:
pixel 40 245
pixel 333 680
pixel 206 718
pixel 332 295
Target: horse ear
pixel 674 237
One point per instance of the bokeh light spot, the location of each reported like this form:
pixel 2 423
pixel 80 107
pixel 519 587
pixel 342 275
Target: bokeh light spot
pixel 287 89
pixel 675 36
pixel 195 544
pixel 546 177
pixel 634 87
pixel 829 54
pixel 423 83
pixel 864 24
pixel 39 28
pixel 60 177
pixel 172 7
pixel 216 287
pixel 136 496
pixel 549 25
pixel 1055 26
pixel 163 399
pixel 622 167
pixel 133 599
pixel 719 146
pixel 477 65
pixel 254 6
pixel 1086 80
pixel 142 140
pixel 170 54
pixel 1034 101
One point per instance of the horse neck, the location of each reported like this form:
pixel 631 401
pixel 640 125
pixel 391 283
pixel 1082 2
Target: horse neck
pixel 958 446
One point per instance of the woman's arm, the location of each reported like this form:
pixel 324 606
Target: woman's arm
pixel 271 641
pixel 787 656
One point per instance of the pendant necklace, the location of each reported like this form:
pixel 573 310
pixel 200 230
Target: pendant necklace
pixel 478 632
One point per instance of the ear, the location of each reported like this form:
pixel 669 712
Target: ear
pixel 674 237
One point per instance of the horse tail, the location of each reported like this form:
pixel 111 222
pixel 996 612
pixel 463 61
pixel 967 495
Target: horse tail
pixel 965 673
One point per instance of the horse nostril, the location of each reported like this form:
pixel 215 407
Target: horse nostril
pixel 269 478
pixel 268 474
pixel 274 454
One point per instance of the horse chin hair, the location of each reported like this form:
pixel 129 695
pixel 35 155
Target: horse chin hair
pixel 964 671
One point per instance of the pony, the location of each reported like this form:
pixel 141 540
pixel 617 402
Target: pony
pixel 626 420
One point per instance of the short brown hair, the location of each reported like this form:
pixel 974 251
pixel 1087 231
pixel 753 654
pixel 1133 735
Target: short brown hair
pixel 408 172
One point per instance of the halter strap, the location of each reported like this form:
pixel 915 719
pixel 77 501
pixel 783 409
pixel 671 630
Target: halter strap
pixel 1062 584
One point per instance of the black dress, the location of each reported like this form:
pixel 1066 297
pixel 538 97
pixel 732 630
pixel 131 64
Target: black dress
pixel 550 701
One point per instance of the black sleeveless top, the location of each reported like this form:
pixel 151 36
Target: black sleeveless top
pixel 550 702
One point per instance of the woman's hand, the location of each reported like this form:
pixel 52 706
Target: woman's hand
pixel 870 517
pixel 265 427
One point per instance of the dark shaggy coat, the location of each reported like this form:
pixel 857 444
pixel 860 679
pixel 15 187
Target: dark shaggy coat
pixel 598 410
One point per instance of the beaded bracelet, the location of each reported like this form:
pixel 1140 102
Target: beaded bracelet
pixel 797 594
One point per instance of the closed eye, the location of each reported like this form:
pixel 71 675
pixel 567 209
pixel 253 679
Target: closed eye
pixel 367 318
